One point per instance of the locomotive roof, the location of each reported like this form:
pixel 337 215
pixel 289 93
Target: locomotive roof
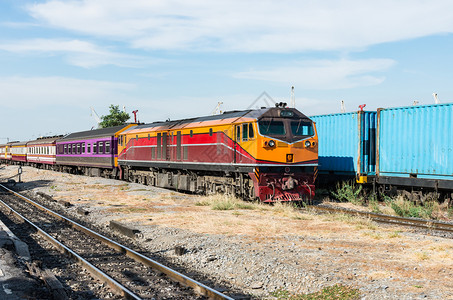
pixel 110 131
pixel 237 114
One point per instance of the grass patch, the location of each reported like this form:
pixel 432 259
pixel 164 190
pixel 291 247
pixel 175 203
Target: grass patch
pixel 360 222
pixel 406 208
pixel 335 292
pixel 374 235
pixel 395 234
pixel 226 202
pixel 421 256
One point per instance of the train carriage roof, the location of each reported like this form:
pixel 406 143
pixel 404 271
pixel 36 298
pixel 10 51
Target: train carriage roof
pixel 103 132
pixel 45 140
pixel 17 144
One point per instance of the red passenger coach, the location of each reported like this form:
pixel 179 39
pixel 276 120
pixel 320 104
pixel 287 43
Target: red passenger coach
pixel 41 152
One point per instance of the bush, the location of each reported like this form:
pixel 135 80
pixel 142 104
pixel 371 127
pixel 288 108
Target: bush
pixel 349 192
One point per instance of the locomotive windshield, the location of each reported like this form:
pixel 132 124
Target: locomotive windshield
pixel 271 127
pixel 302 128
pixel 286 129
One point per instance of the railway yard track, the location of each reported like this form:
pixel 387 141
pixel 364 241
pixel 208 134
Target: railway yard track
pixel 443 227
pixel 127 273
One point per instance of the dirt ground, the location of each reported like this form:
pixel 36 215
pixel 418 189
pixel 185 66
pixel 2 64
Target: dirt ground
pixel 263 248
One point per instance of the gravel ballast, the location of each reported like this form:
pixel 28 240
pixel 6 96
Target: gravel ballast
pixel 259 250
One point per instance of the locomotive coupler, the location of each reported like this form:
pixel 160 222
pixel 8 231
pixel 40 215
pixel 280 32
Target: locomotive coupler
pixel 289 184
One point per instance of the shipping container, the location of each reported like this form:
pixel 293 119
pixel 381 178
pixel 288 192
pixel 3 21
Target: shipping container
pixel 415 146
pixel 346 143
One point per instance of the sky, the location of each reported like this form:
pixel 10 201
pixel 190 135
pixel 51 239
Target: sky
pixel 178 59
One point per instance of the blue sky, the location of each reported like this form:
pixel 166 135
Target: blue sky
pixel 177 59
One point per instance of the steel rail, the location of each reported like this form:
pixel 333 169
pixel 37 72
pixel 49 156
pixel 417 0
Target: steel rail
pixel 415 222
pixel 198 287
pixel 97 273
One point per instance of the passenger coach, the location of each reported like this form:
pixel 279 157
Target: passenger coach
pixel 92 152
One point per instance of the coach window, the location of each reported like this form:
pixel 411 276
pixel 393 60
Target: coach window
pixel 107 147
pixel 95 148
pixel 245 132
pixel 101 148
pixel 88 148
pixel 65 151
pixel 78 149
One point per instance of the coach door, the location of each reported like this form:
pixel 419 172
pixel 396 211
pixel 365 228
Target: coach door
pixel 237 139
pixel 178 146
pixel 165 146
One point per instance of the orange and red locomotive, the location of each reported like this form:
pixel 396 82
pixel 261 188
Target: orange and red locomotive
pixel 268 153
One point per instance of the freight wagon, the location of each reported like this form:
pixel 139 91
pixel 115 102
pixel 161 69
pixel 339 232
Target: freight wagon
pixel 415 147
pixel 409 147
pixel 347 143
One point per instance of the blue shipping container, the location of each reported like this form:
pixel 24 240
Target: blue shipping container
pixel 346 143
pixel 416 141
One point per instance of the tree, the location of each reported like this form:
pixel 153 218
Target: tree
pixel 114 118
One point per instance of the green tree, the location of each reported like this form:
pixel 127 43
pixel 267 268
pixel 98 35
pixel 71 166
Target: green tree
pixel 114 118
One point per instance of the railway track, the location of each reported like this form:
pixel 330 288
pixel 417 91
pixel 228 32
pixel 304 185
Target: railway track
pixel 388 219
pixel 127 272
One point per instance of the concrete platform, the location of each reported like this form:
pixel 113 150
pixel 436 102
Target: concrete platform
pixel 15 283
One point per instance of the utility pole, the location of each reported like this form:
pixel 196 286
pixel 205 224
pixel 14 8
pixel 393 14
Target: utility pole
pixel 293 98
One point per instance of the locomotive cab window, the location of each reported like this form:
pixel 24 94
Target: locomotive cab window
pixel 238 133
pixel 251 133
pixel 245 132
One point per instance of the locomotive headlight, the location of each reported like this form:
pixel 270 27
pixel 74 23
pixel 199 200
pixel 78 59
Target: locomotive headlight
pixel 307 144
pixel 271 143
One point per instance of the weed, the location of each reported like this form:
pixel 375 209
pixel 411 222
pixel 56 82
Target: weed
pixel 418 286
pixel 337 291
pixel 349 192
pixel 373 203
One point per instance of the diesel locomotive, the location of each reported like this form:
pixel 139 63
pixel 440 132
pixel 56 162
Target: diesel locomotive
pixel 270 154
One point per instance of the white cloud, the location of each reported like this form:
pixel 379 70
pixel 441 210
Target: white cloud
pixel 76 52
pixel 250 26
pixel 41 92
pixel 324 74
